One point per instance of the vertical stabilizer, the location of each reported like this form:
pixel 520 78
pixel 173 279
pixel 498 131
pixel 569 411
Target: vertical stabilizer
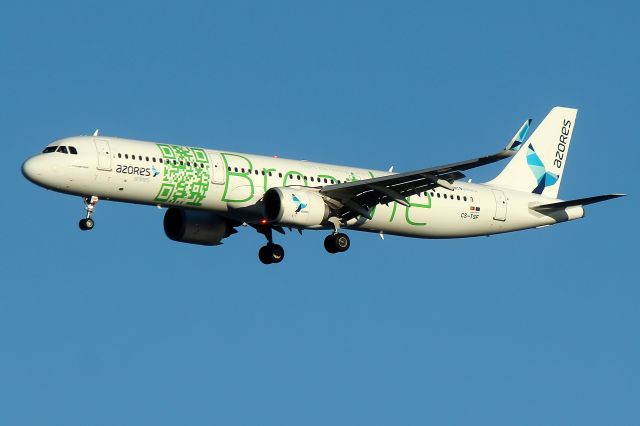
pixel 539 164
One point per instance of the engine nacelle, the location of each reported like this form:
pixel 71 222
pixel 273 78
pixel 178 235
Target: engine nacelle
pixel 196 227
pixel 295 207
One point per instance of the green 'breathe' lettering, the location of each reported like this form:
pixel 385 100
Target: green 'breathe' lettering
pixel 237 175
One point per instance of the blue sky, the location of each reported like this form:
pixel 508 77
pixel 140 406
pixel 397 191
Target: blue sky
pixel 122 326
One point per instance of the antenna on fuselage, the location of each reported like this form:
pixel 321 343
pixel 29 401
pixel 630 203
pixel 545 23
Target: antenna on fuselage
pixel 97 132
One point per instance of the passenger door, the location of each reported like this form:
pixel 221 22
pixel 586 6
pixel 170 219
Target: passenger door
pixel 104 153
pixel 501 205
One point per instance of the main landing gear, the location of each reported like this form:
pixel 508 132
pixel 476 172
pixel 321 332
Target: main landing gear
pixel 270 253
pixel 337 243
pixel 87 223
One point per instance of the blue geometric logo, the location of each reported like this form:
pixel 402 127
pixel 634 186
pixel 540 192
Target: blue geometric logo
pixel 519 141
pixel 543 177
pixel 155 171
pixel 300 204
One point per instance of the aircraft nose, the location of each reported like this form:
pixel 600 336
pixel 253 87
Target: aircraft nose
pixel 32 169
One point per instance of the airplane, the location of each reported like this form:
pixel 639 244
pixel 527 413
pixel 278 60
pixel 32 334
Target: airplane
pixel 209 193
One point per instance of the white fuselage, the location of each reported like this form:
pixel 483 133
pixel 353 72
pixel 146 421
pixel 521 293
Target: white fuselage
pixel 232 185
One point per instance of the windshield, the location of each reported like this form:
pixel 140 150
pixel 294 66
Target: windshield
pixel 49 149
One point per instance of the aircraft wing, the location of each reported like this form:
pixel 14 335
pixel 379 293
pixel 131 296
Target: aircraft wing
pixel 359 197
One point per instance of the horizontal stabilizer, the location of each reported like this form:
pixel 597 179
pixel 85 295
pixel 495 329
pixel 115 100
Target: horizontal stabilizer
pixel 578 202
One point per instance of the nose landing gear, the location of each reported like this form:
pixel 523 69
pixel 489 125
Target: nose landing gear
pixel 87 223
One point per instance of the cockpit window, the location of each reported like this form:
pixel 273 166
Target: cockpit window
pixel 49 149
pixel 62 149
pixel 73 150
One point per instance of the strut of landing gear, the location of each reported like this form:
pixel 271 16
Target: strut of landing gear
pixel 270 253
pixel 337 243
pixel 87 223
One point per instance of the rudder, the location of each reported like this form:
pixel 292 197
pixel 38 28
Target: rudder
pixel 538 166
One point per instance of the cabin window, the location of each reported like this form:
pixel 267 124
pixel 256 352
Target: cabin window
pixel 280 174
pixel 438 194
pixel 235 169
pixel 311 178
pixel 270 174
pixel 256 171
pixel 140 157
pixel 153 159
pixel 298 176
pixel 133 157
pixel 147 158
pixel 465 198
pixel 160 160
pixel 202 165
pixel 119 155
pixel 458 197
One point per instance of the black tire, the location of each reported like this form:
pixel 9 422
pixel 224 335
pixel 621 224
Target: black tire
pixel 264 255
pixel 86 224
pixel 277 253
pixel 341 242
pixel 330 244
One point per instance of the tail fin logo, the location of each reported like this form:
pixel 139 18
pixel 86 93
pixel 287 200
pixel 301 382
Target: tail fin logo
pixel 541 174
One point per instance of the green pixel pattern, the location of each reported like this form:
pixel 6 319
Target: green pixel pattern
pixel 184 181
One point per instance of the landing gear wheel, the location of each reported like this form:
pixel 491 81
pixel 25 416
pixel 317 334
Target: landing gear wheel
pixel 86 224
pixel 271 253
pixel 337 243
pixel 329 244
pixel 341 242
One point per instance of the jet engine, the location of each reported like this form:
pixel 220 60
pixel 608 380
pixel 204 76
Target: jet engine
pixel 196 227
pixel 297 207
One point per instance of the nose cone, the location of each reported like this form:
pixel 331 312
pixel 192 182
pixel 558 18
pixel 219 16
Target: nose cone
pixel 33 169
